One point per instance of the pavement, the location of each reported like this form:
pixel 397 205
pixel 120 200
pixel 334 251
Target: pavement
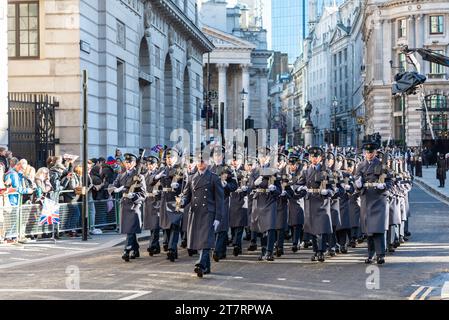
pixel 418 270
pixel 429 182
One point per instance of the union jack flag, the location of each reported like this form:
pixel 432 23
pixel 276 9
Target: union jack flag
pixel 49 213
pixel 157 148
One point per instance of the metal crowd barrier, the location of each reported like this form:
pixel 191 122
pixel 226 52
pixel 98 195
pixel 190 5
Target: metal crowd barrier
pixel 22 220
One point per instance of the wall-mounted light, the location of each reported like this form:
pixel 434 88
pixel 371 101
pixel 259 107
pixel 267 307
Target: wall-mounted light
pixel 85 46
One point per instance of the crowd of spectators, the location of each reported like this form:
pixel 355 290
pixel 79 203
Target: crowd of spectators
pixel 58 180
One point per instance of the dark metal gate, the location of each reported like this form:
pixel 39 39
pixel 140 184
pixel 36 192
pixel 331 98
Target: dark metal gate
pixel 32 127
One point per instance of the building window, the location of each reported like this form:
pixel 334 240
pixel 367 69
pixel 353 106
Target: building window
pixel 436 101
pixel 436 24
pixel 23 30
pixel 121 34
pixel 121 121
pixel 435 68
pixel 399 104
pixel 198 82
pixel 402 62
pixel 345 55
pixel 402 28
pixel 399 129
pixel 178 70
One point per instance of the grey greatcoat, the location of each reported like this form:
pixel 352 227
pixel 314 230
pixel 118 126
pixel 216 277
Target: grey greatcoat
pixel 317 208
pixel 264 203
pixel 131 209
pixel 374 207
pixel 354 209
pixel 335 201
pixel 230 186
pixel 345 220
pixel 282 207
pixel 394 206
pixel 238 214
pixel 168 213
pixel 205 195
pixel 295 202
pixel 152 203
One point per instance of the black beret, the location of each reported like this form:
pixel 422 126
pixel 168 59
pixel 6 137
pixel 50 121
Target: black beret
pixel 151 159
pixel 315 152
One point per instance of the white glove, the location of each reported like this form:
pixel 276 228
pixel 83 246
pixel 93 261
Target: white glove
pixel 258 181
pixel 118 190
pixel 358 183
pixel 216 223
pixel 381 186
pixel 130 195
pixel 175 185
pixel 347 187
pixel 302 188
pixel 244 188
pixel 324 192
pixel 224 183
pixel 284 193
pixel 160 175
pixel 272 187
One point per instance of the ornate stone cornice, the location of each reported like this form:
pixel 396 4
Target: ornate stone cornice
pixel 177 18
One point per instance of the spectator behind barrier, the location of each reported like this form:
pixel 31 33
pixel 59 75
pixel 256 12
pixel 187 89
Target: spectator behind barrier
pixel 43 185
pixel 3 158
pixel 14 179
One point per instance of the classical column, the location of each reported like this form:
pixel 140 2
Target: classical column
pixel 3 74
pixel 222 88
pixel 245 85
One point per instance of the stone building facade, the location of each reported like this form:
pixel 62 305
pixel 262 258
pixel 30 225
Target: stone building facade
pixel 144 59
pixel 387 26
pixel 3 74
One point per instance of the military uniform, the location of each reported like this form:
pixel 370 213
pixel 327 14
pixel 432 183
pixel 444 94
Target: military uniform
pixel 374 203
pixel 170 178
pixel 238 211
pixel 295 206
pixel 204 192
pixel 134 190
pixel 317 204
pixel 282 212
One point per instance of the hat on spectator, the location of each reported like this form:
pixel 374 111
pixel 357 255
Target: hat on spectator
pixel 111 160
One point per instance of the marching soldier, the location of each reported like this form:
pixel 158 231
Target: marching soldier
pixel 132 184
pixel 204 192
pixel 353 204
pixel 441 170
pixel 282 205
pixel 315 187
pixel 151 206
pixel 343 231
pixel 295 203
pixel 373 181
pixel 238 215
pixel 265 191
pixel 191 170
pixel 394 208
pixel 170 178
pixel 230 184
pixel 418 165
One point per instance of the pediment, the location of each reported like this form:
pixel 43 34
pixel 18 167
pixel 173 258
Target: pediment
pixel 223 40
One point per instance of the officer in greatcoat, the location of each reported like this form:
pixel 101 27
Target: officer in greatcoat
pixel 170 179
pixel 133 188
pixel 230 184
pixel 152 204
pixel 343 230
pixel 374 182
pixel 282 205
pixel 353 204
pixel 295 202
pixel 238 215
pixel 265 191
pixel 317 190
pixel 418 166
pixel 204 192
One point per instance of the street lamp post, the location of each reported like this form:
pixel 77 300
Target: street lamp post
pixel 335 105
pixel 243 97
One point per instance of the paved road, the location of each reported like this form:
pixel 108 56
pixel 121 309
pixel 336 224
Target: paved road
pixel 418 270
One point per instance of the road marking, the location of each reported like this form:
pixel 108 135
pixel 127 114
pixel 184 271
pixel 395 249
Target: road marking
pixel 426 202
pixel 135 294
pixel 237 277
pixel 282 279
pixel 425 294
pixel 415 294
pixel 326 281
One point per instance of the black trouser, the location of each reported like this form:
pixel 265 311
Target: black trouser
pixel 154 239
pixel 376 245
pixel 343 236
pixel 442 181
pixel 237 238
pixel 267 242
pixel 319 242
pixel 131 242
pixel 172 237
pixel 355 233
pixel 393 230
pixel 297 234
pixel 280 239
